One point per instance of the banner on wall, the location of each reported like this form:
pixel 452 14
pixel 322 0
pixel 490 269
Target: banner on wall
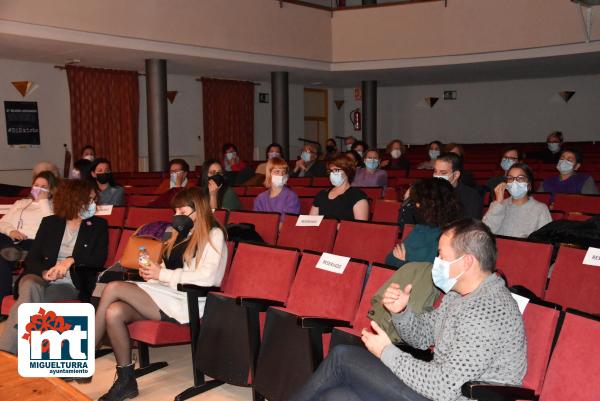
pixel 22 123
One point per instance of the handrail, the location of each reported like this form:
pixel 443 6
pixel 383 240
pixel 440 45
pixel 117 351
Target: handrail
pixel 334 4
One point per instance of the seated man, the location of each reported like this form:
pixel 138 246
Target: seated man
pixel 169 187
pixel 477 332
pixel 308 165
pixel 449 167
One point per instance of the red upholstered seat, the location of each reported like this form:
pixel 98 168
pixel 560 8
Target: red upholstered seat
pixel 140 200
pixel 139 190
pixel 117 216
pixel 154 332
pixel 253 191
pixel 307 191
pixel 221 216
pixel 247 202
pixel 573 284
pixel 239 191
pixel 318 239
pixel 114 235
pixel 573 216
pixel 321 182
pixel 363 240
pixel 139 216
pixel 373 192
pixel 385 211
pixel 299 181
pixel 544 197
pixel 524 263
pixel 266 224
pixel 577 203
pixel 306 204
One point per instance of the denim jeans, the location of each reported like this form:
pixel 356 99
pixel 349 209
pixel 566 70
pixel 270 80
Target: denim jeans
pixel 7 267
pixel 352 373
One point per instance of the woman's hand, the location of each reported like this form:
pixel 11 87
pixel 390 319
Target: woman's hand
pixel 384 163
pixel 17 235
pixel 499 191
pixel 399 251
pixel 150 272
pixel 213 188
pixel 49 275
pixel 300 165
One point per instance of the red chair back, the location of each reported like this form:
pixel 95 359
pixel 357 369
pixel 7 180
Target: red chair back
pixel 368 241
pixel 299 181
pixel 386 211
pixel 239 191
pixel 253 191
pixel 373 193
pixel 378 276
pixel 247 202
pixel 577 203
pixel 544 197
pixel 319 239
pixel 266 224
pixel 230 251
pixel 139 216
pixel 117 216
pixel 140 200
pixel 114 235
pixel 321 182
pixel 127 232
pixel 306 204
pixel 307 191
pixel 221 216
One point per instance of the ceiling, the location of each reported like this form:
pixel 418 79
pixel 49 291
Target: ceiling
pixel 57 52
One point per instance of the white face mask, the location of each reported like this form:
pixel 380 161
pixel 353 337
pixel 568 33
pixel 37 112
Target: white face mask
pixel 348 147
pixel 337 178
pixel 553 147
pixel 396 153
pixel 89 157
pixel 230 155
pixel 433 154
pixel 443 177
pixel 279 181
pixel 440 273
pixel 565 166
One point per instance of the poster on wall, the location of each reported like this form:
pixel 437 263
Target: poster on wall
pixel 22 123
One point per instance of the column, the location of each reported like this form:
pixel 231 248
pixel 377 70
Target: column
pixel 369 113
pixel 280 110
pixel 157 114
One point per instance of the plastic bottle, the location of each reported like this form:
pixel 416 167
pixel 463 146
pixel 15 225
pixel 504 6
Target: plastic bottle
pixel 143 257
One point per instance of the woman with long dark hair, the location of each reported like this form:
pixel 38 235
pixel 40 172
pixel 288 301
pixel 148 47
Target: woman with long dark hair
pixel 109 193
pixel 213 183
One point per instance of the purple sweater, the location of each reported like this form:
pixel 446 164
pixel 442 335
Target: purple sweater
pixel 286 202
pixel 365 179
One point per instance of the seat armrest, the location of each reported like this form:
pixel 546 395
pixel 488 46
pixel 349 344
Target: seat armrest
pixel 196 290
pixel 321 323
pixel 260 303
pixel 482 391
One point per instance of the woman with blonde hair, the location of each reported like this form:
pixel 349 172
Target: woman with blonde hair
pixel 196 254
pixel 278 197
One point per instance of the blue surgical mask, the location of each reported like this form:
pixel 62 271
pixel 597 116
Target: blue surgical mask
pixel 440 273
pixel 89 211
pixel 565 166
pixel 553 147
pixel 372 163
pixel 337 178
pixel 433 154
pixel 273 155
pixel 506 164
pixel 306 156
pixel 517 189
pixel 173 178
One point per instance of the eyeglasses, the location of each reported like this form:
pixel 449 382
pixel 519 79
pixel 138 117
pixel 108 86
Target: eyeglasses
pixel 514 159
pixel 335 170
pixel 520 178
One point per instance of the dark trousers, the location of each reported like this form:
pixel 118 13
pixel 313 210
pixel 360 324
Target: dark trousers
pixel 7 267
pixel 351 373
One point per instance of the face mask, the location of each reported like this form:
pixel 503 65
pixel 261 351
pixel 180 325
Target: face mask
pixel 565 166
pixel 75 174
pixel 89 211
pixel 443 177
pixel 517 189
pixel 218 179
pixel 506 164
pixel 330 149
pixel 348 147
pixel 337 179
pixel 230 155
pixel 274 154
pixel 173 178
pixel 372 163
pixel 36 191
pixel 88 157
pixel 553 147
pixel 360 153
pixel 306 156
pixel 433 154
pixel 103 178
pixel 279 181
pixel 182 223
pixel 440 273
pixel 396 153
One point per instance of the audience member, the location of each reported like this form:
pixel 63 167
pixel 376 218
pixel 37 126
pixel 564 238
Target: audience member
pixel 509 157
pixel 341 202
pixel 80 170
pixel 348 142
pixel 88 153
pixel 520 214
pixel 331 149
pixel 394 158
pixel 370 175
pixel 236 171
pixel 273 150
pixel 432 205
pixel 466 177
pixel 109 193
pixel 355 157
pixel 178 173
pixel 278 197
pixel 554 144
pixel 360 147
pixel 569 180
pixel 196 254
pixel 45 166
pixel 308 165
pixel 433 151
pixel 448 166
pixel 69 249
pixel 20 224
pixel 213 182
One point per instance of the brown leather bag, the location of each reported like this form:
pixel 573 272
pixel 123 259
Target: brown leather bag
pixel 130 258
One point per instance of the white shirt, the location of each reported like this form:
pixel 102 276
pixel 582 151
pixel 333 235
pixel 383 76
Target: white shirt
pixel 25 215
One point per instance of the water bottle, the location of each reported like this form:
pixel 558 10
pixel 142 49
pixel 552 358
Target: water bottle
pixel 143 257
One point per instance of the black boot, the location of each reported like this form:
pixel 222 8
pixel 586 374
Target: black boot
pixel 124 387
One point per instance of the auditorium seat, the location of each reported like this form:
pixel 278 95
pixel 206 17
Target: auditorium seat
pixel 221 216
pixel 306 203
pixel 266 224
pixel 247 202
pixel 407 230
pixel 386 211
pixel 114 235
pixel 239 191
pixel 318 239
pixel 117 216
pixel 307 191
pixel 299 181
pixel 253 191
pixel 129 190
pixel 138 216
pixel 577 203
pixel 373 193
pixel 140 200
pixel 573 216
pixel 364 240
pixel 124 237
pixel 321 182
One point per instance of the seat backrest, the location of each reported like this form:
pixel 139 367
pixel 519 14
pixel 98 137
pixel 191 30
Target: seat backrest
pixel 260 271
pixel 573 284
pixel 140 200
pixel 127 232
pixel 321 182
pixel 386 211
pixel 577 203
pixel 318 239
pixel 221 216
pixel 114 235
pixel 544 197
pixel 230 251
pixel 524 263
pixel 373 193
pixel 247 202
pixel 306 204
pixel 299 181
pixel 574 366
pixel 239 191
pixel 540 327
pixel 266 224
pixel 139 216
pixel 368 241
pixel 574 216
pixel 253 191
pixel 407 230
pixel 377 277
pixel 307 191
pixel 321 293
pixel 117 216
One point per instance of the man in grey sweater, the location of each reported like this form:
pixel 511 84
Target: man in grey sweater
pixel 477 333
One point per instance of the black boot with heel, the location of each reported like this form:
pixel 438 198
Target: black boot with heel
pixel 124 387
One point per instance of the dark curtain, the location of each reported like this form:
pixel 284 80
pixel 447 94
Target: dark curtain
pixel 228 108
pixel 105 108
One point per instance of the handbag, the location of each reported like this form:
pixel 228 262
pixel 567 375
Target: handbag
pixel 130 258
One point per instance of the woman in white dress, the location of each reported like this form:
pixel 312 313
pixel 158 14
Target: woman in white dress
pixel 196 254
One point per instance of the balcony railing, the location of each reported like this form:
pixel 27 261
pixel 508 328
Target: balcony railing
pixel 338 5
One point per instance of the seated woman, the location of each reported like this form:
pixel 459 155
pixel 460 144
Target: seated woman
pixel 20 224
pixel 308 165
pixel 341 202
pixel 196 254
pixel 466 177
pixel 433 151
pixel 69 249
pixel 509 157
pixel 430 205
pixel 569 181
pixel 331 149
pixel 278 198
pixel 370 175
pixel 235 169
pixel 360 147
pixel 212 181
pixel 109 193
pixel 395 157
pixel 520 214
pixel 273 150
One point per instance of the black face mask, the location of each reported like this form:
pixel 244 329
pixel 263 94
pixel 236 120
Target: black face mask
pixel 218 179
pixel 330 149
pixel 182 223
pixel 103 178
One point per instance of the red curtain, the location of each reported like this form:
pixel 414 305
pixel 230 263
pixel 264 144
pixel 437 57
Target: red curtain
pixel 228 108
pixel 105 107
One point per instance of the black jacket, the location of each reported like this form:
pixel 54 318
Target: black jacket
pixel 90 251
pixel 316 169
pixel 469 200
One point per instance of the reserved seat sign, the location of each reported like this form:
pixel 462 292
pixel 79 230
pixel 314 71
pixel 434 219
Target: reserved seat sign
pixel 333 263
pixel 307 220
pixel 592 257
